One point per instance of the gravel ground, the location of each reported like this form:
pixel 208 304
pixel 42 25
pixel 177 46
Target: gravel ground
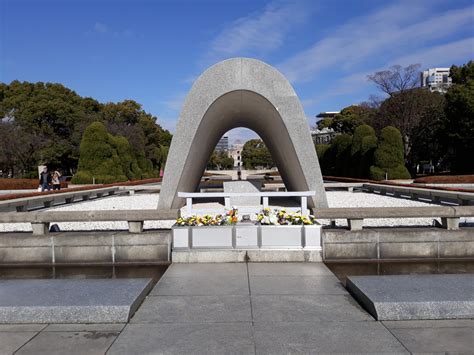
pixel 150 201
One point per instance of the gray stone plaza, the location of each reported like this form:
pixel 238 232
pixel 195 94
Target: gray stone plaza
pixel 259 308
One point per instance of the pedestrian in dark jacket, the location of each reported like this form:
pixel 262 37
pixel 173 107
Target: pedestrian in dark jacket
pixel 45 180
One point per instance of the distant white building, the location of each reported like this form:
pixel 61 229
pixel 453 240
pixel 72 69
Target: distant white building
pixel 327 114
pixel 323 136
pixel 436 79
pixel 236 153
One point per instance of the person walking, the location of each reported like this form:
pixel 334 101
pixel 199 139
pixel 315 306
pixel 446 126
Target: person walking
pixel 45 180
pixel 55 180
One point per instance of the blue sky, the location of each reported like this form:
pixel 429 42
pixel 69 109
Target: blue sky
pixel 152 51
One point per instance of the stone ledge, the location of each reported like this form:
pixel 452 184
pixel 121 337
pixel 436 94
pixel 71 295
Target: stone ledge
pixel 410 297
pixel 242 255
pixel 71 301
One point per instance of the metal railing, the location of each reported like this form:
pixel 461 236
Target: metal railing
pixel 189 196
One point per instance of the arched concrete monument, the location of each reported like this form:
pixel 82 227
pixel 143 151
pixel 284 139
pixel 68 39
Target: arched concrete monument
pixel 241 92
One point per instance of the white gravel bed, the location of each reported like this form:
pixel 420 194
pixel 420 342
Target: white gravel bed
pixel 150 201
pixel 362 199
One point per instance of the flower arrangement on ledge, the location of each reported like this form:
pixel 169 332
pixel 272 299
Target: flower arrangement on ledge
pixel 230 218
pixel 282 217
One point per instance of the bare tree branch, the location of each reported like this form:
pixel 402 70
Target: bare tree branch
pixel 396 78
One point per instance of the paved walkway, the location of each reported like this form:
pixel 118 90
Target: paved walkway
pixel 239 308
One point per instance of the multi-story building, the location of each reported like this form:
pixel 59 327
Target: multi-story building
pixel 236 153
pixel 323 136
pixel 436 79
pixel 328 114
pixel 223 144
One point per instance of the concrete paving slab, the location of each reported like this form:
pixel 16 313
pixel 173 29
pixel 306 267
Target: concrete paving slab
pixel 295 285
pixel 71 301
pixel 404 297
pixel 307 308
pixel 12 341
pixel 110 327
pixel 439 323
pixel 325 337
pixel 194 309
pixel 205 270
pixel 288 269
pixel 222 338
pixel 437 340
pixel 71 343
pixel 204 285
pixel 22 327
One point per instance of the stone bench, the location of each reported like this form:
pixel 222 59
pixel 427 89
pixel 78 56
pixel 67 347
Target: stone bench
pixel 355 216
pixel 462 198
pixel 24 204
pixel 40 221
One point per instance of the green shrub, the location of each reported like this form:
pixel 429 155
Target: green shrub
pixel 106 158
pixel 363 146
pixel 127 160
pixel 336 160
pixel 82 177
pixel 389 156
pixel 321 150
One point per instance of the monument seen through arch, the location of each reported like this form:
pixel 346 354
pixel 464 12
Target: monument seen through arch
pixel 242 92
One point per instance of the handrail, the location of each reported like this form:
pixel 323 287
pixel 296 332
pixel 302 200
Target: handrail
pixel 265 195
pixel 247 194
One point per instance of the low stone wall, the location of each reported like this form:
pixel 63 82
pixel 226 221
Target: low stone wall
pixel 397 243
pixel 113 247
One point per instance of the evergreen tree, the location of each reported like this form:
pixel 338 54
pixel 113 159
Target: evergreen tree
pixel 336 159
pixel 388 157
pixel 364 142
pixel 99 160
pixel 459 124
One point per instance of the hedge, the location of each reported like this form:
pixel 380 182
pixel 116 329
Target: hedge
pixel 23 184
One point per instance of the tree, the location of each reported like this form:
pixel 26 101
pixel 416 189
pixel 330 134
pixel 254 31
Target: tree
pixel 48 121
pixel 256 154
pixel 336 159
pixel 99 157
pixel 414 113
pixel 220 160
pixel 396 79
pixel 51 112
pixel 364 142
pixel 348 119
pixel 388 157
pixel 458 126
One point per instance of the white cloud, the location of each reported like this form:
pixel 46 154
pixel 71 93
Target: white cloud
pixel 442 55
pixel 105 31
pixel 390 31
pixel 100 27
pixel 445 54
pixel 175 103
pixel 260 32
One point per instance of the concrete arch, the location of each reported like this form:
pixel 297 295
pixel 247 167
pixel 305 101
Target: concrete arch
pixel 241 92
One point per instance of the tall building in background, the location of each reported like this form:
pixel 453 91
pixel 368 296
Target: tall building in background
pixel 436 79
pixel 236 153
pixel 223 144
